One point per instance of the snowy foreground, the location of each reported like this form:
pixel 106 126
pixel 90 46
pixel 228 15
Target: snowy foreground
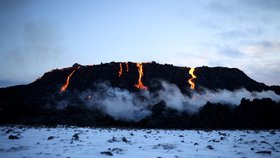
pixel 21 141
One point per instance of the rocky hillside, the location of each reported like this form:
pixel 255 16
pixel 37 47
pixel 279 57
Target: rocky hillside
pixel 40 101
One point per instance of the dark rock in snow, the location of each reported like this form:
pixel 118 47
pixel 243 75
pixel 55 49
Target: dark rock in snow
pixel 165 146
pixel 264 142
pixel 9 131
pixel 117 150
pixel 114 139
pixel 210 147
pixel 108 153
pixel 214 140
pixel 75 137
pixel 125 140
pixel 222 134
pixel 51 137
pixel 223 138
pixel 13 137
pixel 264 152
pixel 273 132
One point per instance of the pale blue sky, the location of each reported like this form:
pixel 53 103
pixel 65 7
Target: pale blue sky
pixel 37 35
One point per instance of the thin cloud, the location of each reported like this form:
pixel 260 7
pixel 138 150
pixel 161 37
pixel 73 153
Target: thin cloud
pixel 239 34
pixel 261 4
pixel 264 48
pixel 228 51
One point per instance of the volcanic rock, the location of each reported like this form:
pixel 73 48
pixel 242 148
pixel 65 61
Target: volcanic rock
pixel 43 103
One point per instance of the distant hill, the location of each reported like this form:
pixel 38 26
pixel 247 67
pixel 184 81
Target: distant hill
pixel 8 83
pixel 35 103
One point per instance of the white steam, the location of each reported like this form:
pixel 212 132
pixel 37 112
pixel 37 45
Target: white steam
pixel 118 103
pixel 231 97
pixel 126 106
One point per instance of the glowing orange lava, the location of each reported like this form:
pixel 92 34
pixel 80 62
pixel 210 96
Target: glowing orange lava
pixel 140 85
pixel 120 71
pixel 64 87
pixel 191 72
pixel 126 66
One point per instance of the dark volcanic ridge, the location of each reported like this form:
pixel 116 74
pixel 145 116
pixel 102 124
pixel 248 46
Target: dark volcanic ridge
pixel 143 95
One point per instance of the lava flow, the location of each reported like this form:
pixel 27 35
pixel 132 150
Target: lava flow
pixel 191 72
pixel 126 66
pixel 64 87
pixel 140 85
pixel 120 72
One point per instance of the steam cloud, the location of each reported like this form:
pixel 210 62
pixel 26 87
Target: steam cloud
pixel 118 103
pixel 126 106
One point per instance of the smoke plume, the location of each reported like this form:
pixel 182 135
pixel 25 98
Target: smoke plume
pixel 118 103
pixel 133 107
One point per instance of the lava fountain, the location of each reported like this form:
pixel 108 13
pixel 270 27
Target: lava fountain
pixel 126 66
pixel 191 82
pixel 140 85
pixel 120 71
pixel 64 87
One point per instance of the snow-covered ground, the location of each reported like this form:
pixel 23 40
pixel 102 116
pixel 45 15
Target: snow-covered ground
pixel 74 142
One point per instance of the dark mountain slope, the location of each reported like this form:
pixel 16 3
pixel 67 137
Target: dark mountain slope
pixel 36 103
